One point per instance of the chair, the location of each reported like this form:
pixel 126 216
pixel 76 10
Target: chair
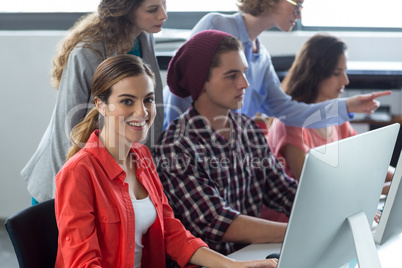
pixel 33 233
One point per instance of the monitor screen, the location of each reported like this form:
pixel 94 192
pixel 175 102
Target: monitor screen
pixel 339 190
pixel 391 219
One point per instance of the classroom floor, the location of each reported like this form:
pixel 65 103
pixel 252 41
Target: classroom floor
pixel 7 254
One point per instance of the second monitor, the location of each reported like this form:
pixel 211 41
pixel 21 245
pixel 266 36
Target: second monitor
pixel 391 219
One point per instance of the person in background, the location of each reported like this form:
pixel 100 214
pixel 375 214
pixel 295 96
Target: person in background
pixel 215 165
pixel 109 201
pixel 118 27
pixel 264 94
pixel 317 75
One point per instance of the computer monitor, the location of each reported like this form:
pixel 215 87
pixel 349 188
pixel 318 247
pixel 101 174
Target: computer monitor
pixel 336 201
pixel 391 219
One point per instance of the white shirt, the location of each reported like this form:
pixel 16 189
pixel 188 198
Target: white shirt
pixel 145 216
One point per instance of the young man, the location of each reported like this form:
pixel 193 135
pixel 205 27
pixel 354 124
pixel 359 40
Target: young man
pixel 215 165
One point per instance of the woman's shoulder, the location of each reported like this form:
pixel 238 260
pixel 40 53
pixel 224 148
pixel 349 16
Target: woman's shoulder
pixel 78 174
pixel 79 161
pixel 82 62
pixel 277 126
pixel 218 15
pixel 93 53
pixel 216 21
pixel 278 132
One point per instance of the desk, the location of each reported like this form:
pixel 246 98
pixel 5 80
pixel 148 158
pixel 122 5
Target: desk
pixel 394 119
pixel 389 253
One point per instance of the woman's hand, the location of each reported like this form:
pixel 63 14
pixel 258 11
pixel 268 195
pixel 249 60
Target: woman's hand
pixel 269 263
pixel 365 103
pixel 209 258
pixel 377 216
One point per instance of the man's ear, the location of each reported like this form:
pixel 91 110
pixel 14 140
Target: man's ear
pixel 100 105
pixel 204 88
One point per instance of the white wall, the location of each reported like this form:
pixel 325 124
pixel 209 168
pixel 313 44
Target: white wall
pixel 26 106
pixel 362 46
pixel 28 99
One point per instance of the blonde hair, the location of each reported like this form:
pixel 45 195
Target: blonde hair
pixel 257 7
pixel 112 25
pixel 108 73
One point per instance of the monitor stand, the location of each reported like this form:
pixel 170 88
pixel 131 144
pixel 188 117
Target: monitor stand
pixel 366 251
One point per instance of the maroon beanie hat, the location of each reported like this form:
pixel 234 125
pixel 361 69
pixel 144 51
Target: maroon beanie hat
pixel 189 68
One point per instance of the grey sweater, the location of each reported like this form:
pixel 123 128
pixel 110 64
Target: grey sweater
pixel 74 100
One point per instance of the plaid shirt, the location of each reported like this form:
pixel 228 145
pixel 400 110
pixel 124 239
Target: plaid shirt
pixel 210 180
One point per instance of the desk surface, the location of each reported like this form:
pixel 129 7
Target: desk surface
pixel 389 253
pixel 394 119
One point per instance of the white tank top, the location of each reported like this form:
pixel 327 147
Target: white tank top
pixel 145 216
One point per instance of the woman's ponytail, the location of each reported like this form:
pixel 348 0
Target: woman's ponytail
pixel 82 131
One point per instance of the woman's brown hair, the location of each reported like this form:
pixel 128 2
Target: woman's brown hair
pixel 108 73
pixel 316 61
pixel 257 7
pixel 112 25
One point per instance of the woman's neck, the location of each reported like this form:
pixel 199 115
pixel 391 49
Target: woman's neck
pixel 255 25
pixel 117 147
pixel 321 99
pixel 136 32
